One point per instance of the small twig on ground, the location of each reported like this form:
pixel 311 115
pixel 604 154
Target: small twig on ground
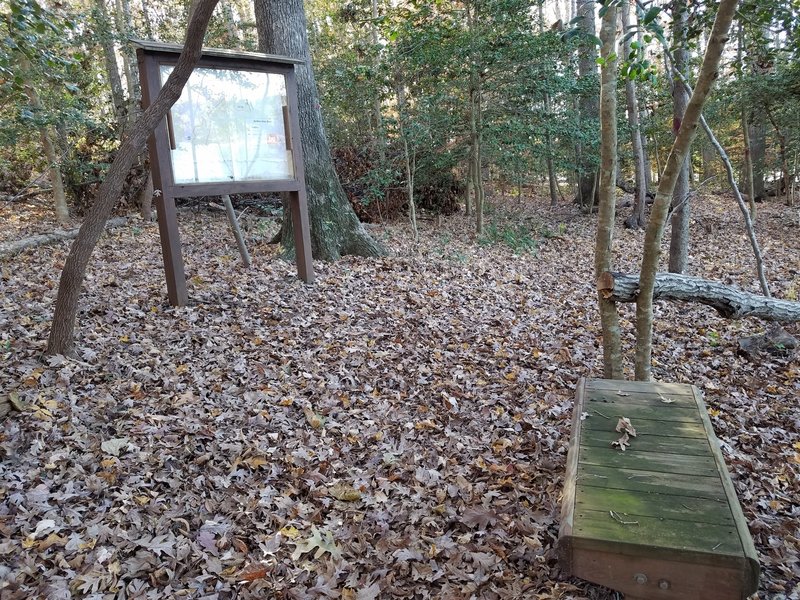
pixel 619 519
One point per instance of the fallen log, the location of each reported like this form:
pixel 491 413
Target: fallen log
pixel 17 246
pixel 730 302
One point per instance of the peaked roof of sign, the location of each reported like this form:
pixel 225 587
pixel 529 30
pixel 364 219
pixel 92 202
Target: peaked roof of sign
pixel 177 48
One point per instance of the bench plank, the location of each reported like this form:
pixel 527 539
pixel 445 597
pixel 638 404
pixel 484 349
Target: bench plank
pixel 650 427
pixel 666 502
pixel 649 443
pixel 655 533
pixel 648 504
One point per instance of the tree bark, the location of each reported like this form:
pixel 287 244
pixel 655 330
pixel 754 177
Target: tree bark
pixel 335 228
pixel 748 222
pixel 666 186
pixel 636 220
pixel 728 301
pixel 609 318
pixel 475 120
pixel 679 236
pixel 61 340
pixel 589 109
pixel 106 39
pixel 48 146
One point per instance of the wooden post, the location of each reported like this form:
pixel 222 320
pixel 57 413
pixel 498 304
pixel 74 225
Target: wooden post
pixel 298 200
pixel 171 248
pixel 168 231
pixel 237 231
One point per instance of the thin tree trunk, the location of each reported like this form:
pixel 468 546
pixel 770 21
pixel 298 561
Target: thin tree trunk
pixel 589 109
pixel 637 218
pixel 237 231
pixel 61 340
pixel 476 139
pixel 648 176
pixel 660 209
pixel 106 39
pixel 548 145
pixel 747 167
pixel 409 161
pixel 49 148
pixel 380 132
pixel 335 228
pixel 784 185
pixel 679 237
pixel 612 353
pixel 748 222
pixel 148 23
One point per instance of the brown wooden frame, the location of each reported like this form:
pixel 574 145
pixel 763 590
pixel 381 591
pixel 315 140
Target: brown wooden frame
pixel 151 56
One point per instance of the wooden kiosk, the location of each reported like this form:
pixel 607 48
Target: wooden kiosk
pixel 659 520
pixel 234 130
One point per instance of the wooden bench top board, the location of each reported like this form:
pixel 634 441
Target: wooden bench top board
pixel 661 519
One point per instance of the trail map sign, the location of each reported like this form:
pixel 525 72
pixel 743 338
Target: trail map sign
pixel 233 130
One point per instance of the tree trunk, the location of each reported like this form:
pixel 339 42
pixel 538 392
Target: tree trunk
pixel 589 109
pixel 679 237
pixel 747 159
pixel 758 150
pixel 475 120
pixel 748 222
pixel 380 131
pixel 728 301
pixel 106 39
pixel 666 186
pixel 637 219
pixel 612 354
pixel 61 339
pixel 49 148
pixel 335 228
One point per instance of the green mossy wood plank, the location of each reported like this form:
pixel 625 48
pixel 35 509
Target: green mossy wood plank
pixel 645 504
pixel 653 400
pixel 648 461
pixel 648 427
pixel 653 533
pixel 649 443
pixel 648 481
pixel 615 410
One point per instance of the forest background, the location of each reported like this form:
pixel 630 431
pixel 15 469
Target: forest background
pixel 464 131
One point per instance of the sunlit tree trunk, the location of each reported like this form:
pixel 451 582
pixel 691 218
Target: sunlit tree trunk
pixel 677 156
pixel 637 219
pixel 679 238
pixel 589 109
pixel 475 118
pixel 380 131
pixel 747 166
pixel 548 145
pixel 106 39
pixel 612 357
pixel 46 135
pixel 335 228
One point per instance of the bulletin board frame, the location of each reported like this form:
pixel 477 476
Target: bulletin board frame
pixel 151 57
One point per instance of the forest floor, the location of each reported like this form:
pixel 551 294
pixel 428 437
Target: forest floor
pixel 397 430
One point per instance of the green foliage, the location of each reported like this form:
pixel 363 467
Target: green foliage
pixel 518 237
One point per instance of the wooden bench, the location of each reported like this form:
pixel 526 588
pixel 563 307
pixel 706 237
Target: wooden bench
pixel 659 520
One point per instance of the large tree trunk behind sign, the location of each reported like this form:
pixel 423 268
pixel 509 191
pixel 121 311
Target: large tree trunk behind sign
pixel 69 287
pixel 335 228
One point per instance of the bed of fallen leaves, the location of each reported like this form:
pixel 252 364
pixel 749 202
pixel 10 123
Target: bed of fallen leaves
pixel 397 430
